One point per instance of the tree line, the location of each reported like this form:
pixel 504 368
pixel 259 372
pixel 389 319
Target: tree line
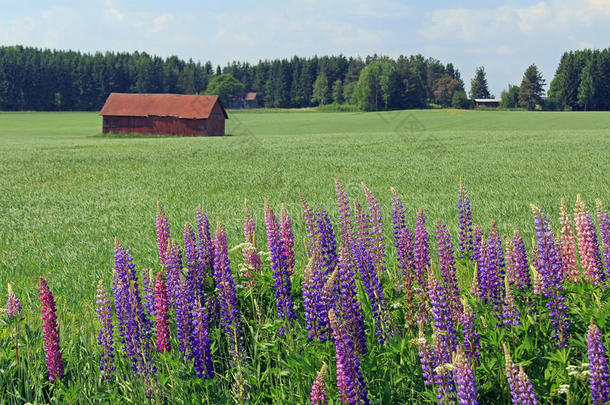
pixel 42 79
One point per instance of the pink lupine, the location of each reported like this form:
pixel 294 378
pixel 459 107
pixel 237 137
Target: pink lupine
pixel 568 247
pixel 588 248
pixel 252 259
pixel 161 315
pixel 13 306
pixel 318 388
pixel 51 332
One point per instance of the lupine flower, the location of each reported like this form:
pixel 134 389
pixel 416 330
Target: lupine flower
pixel 363 255
pixel 549 263
pixel 105 336
pixel 509 254
pixel 377 251
pixel 328 247
pixel 252 260
pixel 173 271
pixel 520 265
pixel 599 379
pixel 443 374
pixel 287 239
pixel 194 264
pixel 161 314
pixel 344 213
pixel 347 305
pixel 421 262
pixel 465 218
pixel 205 246
pixel 148 286
pixel 537 281
pixel 485 269
pixel 495 266
pixel 51 332
pixel 229 312
pixel 510 313
pixel 527 395
pixel 568 247
pixel 315 302
pixel 604 226
pixel 134 325
pixel 318 388
pixel 521 390
pixel 588 247
pixel 426 356
pixel 447 267
pixel 310 223
pixel 13 305
pixel 350 382
pixel 443 322
pixel 279 266
pixel 200 349
pixel 471 337
pixel 162 233
pixel 465 383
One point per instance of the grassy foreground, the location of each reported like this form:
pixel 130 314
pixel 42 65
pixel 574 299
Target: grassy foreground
pixel 66 191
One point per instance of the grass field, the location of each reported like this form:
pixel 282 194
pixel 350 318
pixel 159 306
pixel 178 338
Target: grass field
pixel 66 191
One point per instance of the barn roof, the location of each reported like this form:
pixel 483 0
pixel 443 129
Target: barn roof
pixel 250 96
pixel 160 105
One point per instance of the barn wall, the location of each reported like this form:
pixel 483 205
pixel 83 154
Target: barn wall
pixel 157 126
pixel 216 122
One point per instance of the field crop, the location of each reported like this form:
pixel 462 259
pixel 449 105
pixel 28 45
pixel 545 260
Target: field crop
pixel 66 192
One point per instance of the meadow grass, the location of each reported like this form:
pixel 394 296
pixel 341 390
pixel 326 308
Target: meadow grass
pixel 66 190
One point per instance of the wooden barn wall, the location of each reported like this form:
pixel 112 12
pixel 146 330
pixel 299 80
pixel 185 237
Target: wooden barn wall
pixel 160 126
pixel 216 122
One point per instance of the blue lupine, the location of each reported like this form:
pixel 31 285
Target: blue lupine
pixel 200 349
pixel 465 219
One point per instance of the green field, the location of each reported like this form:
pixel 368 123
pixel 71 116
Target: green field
pixel 66 190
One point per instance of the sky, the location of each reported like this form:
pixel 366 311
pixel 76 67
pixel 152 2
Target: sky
pixel 503 36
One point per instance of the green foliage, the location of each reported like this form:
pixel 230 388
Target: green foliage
pixel 444 90
pixel 478 84
pixel 337 92
pixel 461 101
pixel 224 86
pixel 66 191
pixel 532 88
pixel 320 90
pixel 510 98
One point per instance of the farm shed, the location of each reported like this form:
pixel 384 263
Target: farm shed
pixel 486 102
pixel 164 114
pixel 244 100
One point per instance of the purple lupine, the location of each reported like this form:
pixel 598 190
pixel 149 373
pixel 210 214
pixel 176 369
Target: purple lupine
pixel 252 260
pixel 521 389
pixel 161 314
pixel 604 226
pixel 328 247
pixel 363 257
pixel 443 374
pixel 568 246
pixel 472 344
pixel 50 330
pixel 549 264
pixel 205 247
pixel 510 312
pixel 377 251
pixel 184 314
pixel 520 265
pixel 465 218
pixel 347 305
pixel 426 357
pixel 495 266
pixel 315 303
pixel 200 349
pixel 465 383
pixel 162 233
pixel 588 247
pixel 194 278
pixel 134 325
pixel 105 335
pixel 447 267
pixel 148 286
pixel 310 224
pixel 13 306
pixel 599 379
pixel 279 266
pixel 485 268
pixel 345 219
pixel 229 312
pixel 527 395
pixel 287 239
pixel 350 382
pixel 421 254
pixel 443 322
pixel 173 271
pixel 318 388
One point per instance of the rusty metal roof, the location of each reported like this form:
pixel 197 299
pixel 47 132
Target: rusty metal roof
pixel 160 105
pixel 250 96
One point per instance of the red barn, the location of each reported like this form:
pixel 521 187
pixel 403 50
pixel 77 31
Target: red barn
pixel 164 114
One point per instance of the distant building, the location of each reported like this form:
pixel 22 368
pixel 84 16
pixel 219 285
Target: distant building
pixel 243 100
pixel 487 102
pixel 164 114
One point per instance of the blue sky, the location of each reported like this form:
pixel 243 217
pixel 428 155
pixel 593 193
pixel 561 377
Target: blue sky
pixel 505 37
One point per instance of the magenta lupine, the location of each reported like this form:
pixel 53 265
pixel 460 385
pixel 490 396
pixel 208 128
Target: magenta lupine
pixel 510 312
pixel 599 378
pixel 173 271
pixel 465 218
pixel 520 265
pixel 568 246
pixel 279 266
pixel 200 349
pixel 148 286
pixel 603 218
pixel 465 383
pixel 50 331
pixel 229 312
pixel 252 259
pixel 345 219
pixel 588 247
pixel 13 306
pixel 448 274
pixel 521 389
pixel 205 247
pixel 549 263
pixel 364 256
pixel 287 239
pixel 162 233
pixel 318 388
pixel 472 339
pixel 161 314
pixel 105 335
pixel 350 382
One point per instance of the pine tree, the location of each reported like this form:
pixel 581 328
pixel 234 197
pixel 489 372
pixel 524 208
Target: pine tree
pixel 478 84
pixel 532 88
